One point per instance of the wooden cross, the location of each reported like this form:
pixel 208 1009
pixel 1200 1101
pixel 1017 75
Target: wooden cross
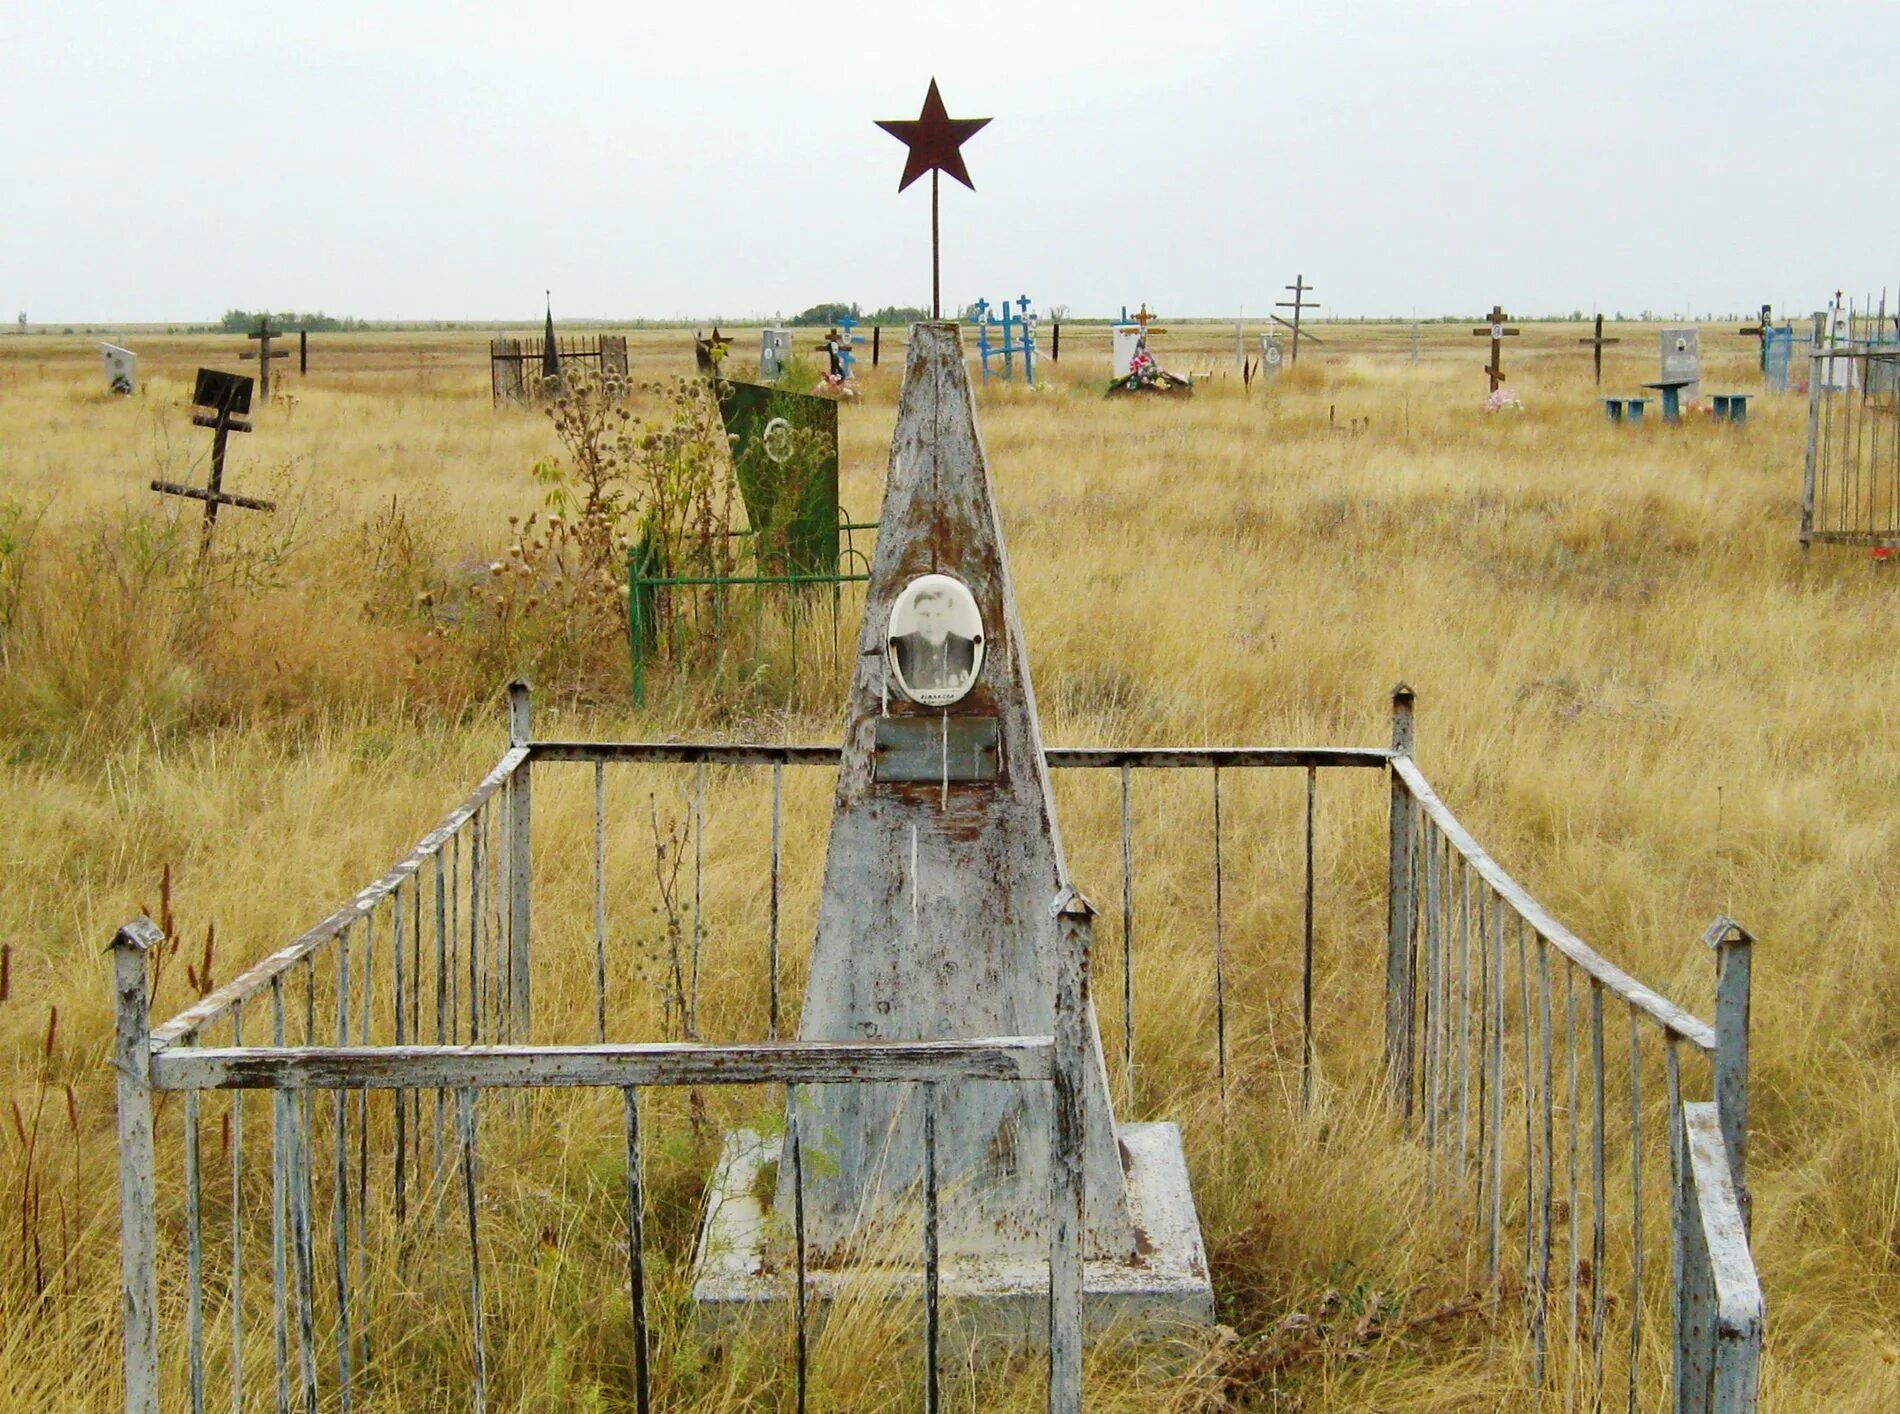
pixel 1598 342
pixel 1144 317
pixel 264 353
pixel 1298 303
pixel 1759 332
pixel 216 403
pixel 1498 334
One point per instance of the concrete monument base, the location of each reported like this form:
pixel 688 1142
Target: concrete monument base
pixel 744 1252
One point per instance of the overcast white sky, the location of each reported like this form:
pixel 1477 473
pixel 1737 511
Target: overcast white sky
pixel 425 160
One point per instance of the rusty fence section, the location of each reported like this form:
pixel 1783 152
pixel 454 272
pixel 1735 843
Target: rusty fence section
pixel 1850 486
pixel 1544 1085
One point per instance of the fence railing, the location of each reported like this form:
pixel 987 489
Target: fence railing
pixel 298 1193
pixel 1850 486
pixel 433 959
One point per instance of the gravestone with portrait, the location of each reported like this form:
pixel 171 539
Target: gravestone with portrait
pixel 1682 358
pixel 122 370
pixel 935 922
pixel 775 353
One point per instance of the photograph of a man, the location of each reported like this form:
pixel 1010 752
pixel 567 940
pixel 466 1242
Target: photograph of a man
pixel 936 640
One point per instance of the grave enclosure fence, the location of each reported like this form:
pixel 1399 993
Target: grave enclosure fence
pixel 515 366
pixel 352 1235
pixel 1850 486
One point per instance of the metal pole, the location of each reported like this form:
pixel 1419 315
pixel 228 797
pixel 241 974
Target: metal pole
pixel 1068 1216
pixel 1733 948
pixel 521 863
pixel 1399 909
pixel 138 1224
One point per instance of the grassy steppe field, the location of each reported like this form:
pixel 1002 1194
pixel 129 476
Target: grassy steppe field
pixel 1643 698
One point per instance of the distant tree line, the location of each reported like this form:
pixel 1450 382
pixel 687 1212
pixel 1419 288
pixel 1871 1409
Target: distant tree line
pixel 827 314
pixel 239 321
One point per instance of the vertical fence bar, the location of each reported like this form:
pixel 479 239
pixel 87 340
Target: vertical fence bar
pixel 237 1223
pixel 1399 905
pixel 520 867
pixel 340 1198
pixel 1599 1278
pixel 400 983
pixel 1576 1269
pixel 470 1178
pixel 1306 955
pixel 778 814
pixel 1068 1214
pixel 194 1257
pixel 1434 964
pixel 365 1016
pixel 690 1021
pixel 1464 1022
pixel 637 1252
pixel 600 901
pixel 280 1209
pixel 1486 903
pixel 1540 1313
pixel 931 1395
pixel 1527 1018
pixel 1636 1204
pixel 1734 950
pixel 302 1247
pixel 799 1293
pixel 138 1162
pixel 1128 946
pixel 1220 949
pixel 1495 944
pixel 1678 1252
pixel 1815 378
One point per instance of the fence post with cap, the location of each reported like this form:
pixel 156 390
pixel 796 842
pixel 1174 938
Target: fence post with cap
pixel 138 1223
pixel 1399 913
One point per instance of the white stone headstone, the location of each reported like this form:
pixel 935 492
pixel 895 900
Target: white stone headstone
pixel 1838 374
pixel 1682 358
pixel 775 353
pixel 1272 356
pixel 1127 340
pixel 122 370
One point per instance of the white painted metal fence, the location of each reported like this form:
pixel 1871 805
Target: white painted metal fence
pixel 419 993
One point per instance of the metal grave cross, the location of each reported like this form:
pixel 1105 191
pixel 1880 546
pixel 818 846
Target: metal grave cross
pixel 1758 331
pixel 216 402
pixel 263 353
pixel 1597 342
pixel 1498 333
pixel 1298 303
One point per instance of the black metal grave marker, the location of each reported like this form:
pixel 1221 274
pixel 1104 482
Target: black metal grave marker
pixel 216 402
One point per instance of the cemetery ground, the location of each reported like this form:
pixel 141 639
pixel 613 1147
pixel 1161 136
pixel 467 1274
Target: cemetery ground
pixel 1632 685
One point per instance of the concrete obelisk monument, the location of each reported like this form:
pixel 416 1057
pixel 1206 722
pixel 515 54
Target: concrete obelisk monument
pixel 935 923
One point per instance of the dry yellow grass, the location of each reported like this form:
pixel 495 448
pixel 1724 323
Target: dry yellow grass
pixel 1632 686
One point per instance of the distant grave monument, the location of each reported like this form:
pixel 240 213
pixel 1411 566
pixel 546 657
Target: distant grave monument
pixel 122 370
pixel 940 917
pixel 1682 359
pixel 264 353
pixel 523 370
pixel 1272 355
pixel 1498 332
pixel 775 353
pixel 217 399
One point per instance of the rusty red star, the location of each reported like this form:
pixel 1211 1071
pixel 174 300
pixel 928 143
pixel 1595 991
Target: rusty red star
pixel 935 140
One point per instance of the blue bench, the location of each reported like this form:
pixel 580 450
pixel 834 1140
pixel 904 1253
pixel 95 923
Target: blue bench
pixel 1731 407
pixel 1613 408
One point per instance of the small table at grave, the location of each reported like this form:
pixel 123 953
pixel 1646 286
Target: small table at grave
pixel 1731 407
pixel 1671 390
pixel 1613 408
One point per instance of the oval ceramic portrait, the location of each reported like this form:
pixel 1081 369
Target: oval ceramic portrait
pixel 935 640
